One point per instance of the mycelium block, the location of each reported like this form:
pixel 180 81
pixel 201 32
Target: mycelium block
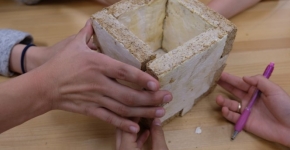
pixel 182 43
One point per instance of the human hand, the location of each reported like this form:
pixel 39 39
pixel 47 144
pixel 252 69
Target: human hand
pixel 130 141
pixel 269 117
pixel 38 55
pixel 84 81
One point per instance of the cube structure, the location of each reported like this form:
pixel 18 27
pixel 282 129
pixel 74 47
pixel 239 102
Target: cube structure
pixel 182 43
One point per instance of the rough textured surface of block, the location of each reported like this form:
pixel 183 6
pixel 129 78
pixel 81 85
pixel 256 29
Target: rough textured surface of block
pixel 181 43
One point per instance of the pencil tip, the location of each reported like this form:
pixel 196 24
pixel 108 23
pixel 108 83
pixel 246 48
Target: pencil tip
pixel 234 135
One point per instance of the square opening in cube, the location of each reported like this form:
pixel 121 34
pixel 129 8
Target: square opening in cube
pixel 164 24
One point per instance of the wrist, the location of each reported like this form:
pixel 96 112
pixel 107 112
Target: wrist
pixel 15 56
pixel 32 59
pixel 44 90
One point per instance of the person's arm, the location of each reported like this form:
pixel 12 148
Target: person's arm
pixel 22 98
pixel 80 80
pixel 229 8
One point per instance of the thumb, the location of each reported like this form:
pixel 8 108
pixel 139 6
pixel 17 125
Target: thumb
pixel 158 139
pixel 86 32
pixel 263 84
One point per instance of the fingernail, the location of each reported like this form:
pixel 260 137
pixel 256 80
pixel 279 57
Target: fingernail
pixel 88 22
pixel 160 112
pixel 167 98
pixel 133 129
pixel 157 122
pixel 152 85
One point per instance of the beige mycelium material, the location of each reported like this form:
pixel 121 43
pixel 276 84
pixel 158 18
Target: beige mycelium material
pixel 181 43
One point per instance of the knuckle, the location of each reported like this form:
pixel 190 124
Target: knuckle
pixel 71 37
pixel 87 111
pixel 141 76
pixel 109 119
pixel 258 76
pixel 156 98
pixel 123 110
pixel 121 73
pixel 150 98
pixel 98 88
pixel 121 124
pixel 102 89
pixel 89 87
pixel 101 68
pixel 130 100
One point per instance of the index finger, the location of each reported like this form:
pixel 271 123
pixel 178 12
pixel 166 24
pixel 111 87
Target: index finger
pixel 119 70
pixel 235 81
pixel 234 85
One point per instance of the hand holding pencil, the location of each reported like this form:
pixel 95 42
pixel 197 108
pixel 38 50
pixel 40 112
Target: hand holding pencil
pixel 270 116
pixel 240 124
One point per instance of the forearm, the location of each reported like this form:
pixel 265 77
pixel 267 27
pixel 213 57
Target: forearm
pixel 229 8
pixel 22 98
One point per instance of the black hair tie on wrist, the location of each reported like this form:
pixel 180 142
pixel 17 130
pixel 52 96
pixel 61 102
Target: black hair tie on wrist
pixel 23 55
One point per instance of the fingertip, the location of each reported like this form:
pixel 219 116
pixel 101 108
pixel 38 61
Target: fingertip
pixel 223 75
pixel 89 22
pixel 153 86
pixel 143 138
pixel 86 32
pixel 156 128
pixel 225 111
pixel 219 100
pixel 134 129
pixel 167 98
pixel 230 115
pixel 160 112
pixel 248 79
pixel 156 122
